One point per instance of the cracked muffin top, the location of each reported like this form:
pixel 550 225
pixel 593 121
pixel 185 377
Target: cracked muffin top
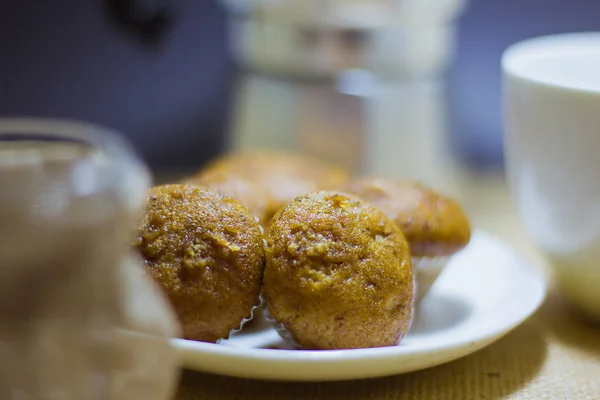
pixel 264 181
pixel 433 224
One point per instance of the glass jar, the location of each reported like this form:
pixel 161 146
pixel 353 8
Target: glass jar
pixel 78 317
pixel 321 38
pixel 358 82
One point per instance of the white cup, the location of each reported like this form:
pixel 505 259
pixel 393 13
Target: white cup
pixel 552 152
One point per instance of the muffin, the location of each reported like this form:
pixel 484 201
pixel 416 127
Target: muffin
pixel 206 251
pixel 435 226
pixel 265 181
pixel 338 274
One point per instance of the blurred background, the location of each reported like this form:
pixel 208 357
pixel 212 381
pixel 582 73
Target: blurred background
pixel 185 80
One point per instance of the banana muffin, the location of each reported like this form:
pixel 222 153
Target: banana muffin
pixel 207 253
pixel 338 273
pixel 435 226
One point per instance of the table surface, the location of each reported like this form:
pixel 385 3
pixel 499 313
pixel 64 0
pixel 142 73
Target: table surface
pixel 553 355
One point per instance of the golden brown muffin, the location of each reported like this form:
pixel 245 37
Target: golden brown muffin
pixel 207 253
pixel 434 225
pixel 338 273
pixel 265 181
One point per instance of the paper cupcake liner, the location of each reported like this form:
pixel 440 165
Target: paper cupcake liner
pixel 257 307
pixel 427 270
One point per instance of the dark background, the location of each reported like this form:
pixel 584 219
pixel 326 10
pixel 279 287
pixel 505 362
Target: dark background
pixel 69 59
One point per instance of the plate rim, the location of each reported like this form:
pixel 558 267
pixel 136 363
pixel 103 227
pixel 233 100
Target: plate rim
pixel 305 357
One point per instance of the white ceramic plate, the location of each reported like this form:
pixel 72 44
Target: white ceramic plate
pixel 483 293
